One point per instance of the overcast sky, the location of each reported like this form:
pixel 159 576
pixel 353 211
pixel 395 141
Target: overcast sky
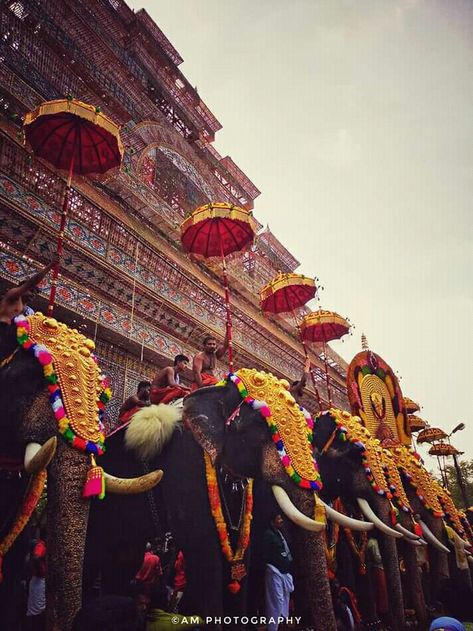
pixel 354 119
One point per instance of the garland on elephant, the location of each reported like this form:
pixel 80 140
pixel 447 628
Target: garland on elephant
pixel 32 496
pixel 236 559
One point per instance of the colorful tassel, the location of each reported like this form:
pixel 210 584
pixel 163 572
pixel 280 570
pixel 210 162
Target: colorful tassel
pixel 95 482
pixel 417 528
pixel 394 514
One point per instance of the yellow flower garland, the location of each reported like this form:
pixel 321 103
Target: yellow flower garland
pixel 238 570
pixel 32 496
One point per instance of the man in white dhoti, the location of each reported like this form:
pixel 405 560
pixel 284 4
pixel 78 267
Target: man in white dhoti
pixel 278 579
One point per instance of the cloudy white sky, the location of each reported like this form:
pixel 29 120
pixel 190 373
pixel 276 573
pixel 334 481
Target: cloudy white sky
pixel 354 119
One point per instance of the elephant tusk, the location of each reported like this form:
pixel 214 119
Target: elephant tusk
pixel 432 539
pixel 37 457
pixel 293 513
pixel 407 533
pixel 412 542
pixel 131 486
pixel 370 515
pixel 344 520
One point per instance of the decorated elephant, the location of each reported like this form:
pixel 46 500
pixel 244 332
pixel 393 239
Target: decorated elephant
pixel 52 396
pixel 350 470
pixel 444 527
pixel 376 400
pixel 408 499
pixel 248 427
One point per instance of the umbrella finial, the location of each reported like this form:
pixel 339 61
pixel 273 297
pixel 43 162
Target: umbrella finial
pixel 364 342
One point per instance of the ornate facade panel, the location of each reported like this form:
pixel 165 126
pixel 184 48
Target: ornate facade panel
pixel 112 278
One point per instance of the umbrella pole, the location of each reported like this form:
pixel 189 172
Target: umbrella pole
pixel 229 327
pixel 327 377
pixel 306 355
pixel 60 239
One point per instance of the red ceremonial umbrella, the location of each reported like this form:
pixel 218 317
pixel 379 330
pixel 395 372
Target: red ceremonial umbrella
pixel 284 294
pixel 287 292
pixel 73 137
pixel 219 229
pixel 324 326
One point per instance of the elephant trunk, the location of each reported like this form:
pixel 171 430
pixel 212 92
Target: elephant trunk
pixel 67 516
pixel 313 598
pixel 387 545
pixel 414 590
pixel 314 602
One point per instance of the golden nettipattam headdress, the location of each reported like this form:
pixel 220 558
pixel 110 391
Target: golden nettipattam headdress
pixel 290 427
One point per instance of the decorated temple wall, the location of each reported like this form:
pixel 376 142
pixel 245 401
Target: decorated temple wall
pixel 168 297
pixel 101 236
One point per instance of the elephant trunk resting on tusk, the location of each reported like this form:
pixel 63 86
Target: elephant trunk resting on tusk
pixel 432 539
pixel 369 513
pixel 131 486
pixel 38 457
pixel 293 513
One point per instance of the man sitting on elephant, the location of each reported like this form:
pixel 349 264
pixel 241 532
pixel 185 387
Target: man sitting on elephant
pixel 135 402
pixel 297 387
pixel 205 362
pixel 166 386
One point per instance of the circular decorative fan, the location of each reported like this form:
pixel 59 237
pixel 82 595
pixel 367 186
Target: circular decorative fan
pixel 375 396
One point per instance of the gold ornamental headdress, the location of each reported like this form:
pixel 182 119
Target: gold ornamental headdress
pixel 378 463
pixel 77 390
pixel 290 426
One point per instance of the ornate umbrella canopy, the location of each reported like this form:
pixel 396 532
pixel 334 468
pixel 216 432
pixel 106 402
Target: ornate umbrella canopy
pixel 431 434
pixel 287 292
pixel 218 229
pixel 443 449
pixel 67 131
pixel 415 422
pixel 323 326
pixel 411 406
pixel 77 138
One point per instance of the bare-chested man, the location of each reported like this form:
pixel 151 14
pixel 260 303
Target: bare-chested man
pixel 135 402
pixel 297 387
pixel 166 385
pixel 205 361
